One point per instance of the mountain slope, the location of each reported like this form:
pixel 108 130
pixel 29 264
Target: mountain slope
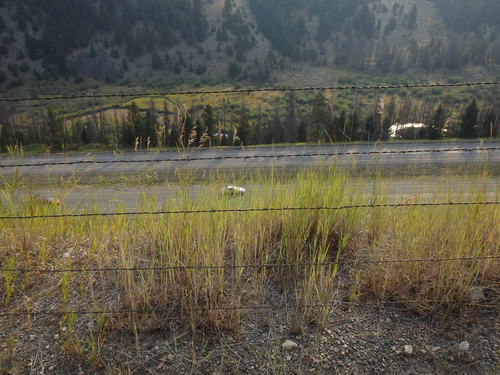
pixel 241 39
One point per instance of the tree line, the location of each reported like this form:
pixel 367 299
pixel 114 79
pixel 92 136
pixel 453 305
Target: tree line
pixel 321 118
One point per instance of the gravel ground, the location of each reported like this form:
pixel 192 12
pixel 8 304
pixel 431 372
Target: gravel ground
pixel 361 340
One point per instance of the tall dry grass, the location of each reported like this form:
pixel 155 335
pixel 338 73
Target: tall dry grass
pixel 342 237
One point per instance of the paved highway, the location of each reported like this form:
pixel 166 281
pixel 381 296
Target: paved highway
pixel 391 160
pixel 132 198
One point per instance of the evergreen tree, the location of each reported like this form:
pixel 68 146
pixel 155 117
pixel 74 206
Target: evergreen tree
pixel 93 52
pixel 124 65
pixel 370 128
pixel 291 118
pixel 258 133
pixel 469 120
pixel 412 18
pixel 92 135
pixel 276 134
pixel 234 70
pixel 436 126
pixel 318 126
pixel 55 127
pixel 157 62
pixel 364 21
pixel 390 26
pixel 199 21
pixel 168 60
pixel 84 136
pixel 302 132
pixel 7 135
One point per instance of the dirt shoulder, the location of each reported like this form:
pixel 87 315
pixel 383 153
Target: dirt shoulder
pixel 360 340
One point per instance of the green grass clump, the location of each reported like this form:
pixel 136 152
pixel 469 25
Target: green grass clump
pixel 341 237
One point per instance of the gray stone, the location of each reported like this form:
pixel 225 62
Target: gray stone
pixel 464 346
pixel 289 344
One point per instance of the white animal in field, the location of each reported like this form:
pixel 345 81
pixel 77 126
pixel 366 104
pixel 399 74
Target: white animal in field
pixel 233 191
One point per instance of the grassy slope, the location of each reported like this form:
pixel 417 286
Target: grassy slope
pixel 253 238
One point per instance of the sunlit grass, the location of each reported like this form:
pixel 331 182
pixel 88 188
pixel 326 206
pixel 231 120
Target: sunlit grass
pixel 342 237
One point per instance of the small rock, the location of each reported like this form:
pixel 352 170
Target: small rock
pixel 66 255
pixel 56 336
pixel 408 349
pixel 170 357
pixel 435 349
pixel 288 358
pixel 289 344
pixel 476 294
pixel 464 346
pixel 52 368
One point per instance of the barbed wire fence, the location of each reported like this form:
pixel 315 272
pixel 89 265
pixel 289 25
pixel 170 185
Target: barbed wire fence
pixel 277 156
pixel 248 91
pixel 29 312
pixel 249 210
pixel 401 305
pixel 32 312
pixel 246 266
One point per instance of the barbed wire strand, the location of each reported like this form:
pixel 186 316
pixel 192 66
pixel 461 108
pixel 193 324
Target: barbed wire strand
pixel 248 157
pixel 249 210
pixel 243 266
pixel 247 91
pixel 223 308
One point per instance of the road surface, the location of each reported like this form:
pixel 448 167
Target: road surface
pixel 390 160
pixel 132 198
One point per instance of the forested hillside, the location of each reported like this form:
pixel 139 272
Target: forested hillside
pixel 241 39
